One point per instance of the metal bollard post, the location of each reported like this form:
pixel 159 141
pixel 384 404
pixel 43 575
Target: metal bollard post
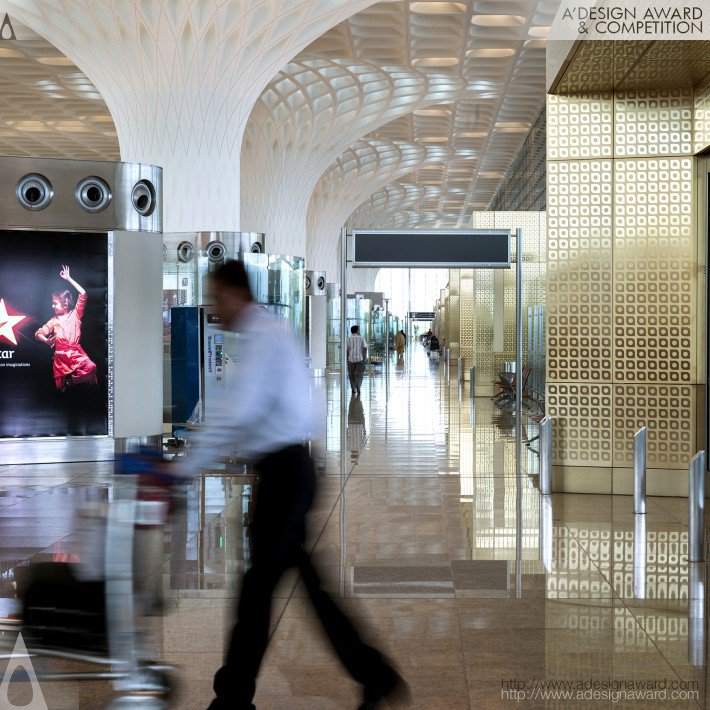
pixel 696 615
pixel 640 556
pixel 447 363
pixel 472 375
pixel 696 514
pixel 546 456
pixel 460 369
pixel 640 471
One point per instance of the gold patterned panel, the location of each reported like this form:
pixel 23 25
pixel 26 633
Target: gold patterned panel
pixel 579 270
pixel 453 322
pixel 583 423
pixel 467 317
pixel 654 271
pixel 701 118
pixel 668 412
pixel 580 127
pixel 656 122
pixel 487 361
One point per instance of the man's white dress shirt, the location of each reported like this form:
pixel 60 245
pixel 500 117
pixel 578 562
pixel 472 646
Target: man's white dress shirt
pixel 355 345
pixel 265 404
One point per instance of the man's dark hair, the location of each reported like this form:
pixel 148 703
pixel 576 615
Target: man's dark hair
pixel 232 274
pixel 355 329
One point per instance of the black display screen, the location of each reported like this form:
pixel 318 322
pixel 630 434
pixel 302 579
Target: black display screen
pixel 439 249
pixel 53 337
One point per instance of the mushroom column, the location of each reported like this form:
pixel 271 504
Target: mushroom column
pixel 180 80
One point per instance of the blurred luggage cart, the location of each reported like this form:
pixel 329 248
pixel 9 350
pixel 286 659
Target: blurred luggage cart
pixel 99 621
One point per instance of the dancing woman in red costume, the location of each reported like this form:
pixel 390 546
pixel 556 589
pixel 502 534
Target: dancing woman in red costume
pixel 71 364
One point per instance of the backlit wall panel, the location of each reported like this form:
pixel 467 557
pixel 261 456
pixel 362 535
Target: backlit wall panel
pixel 477 304
pixel 623 276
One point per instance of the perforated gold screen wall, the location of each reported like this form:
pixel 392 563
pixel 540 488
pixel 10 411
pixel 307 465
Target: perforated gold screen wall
pixel 477 296
pixel 622 284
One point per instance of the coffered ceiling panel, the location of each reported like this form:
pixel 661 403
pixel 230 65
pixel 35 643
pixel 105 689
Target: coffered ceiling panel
pixel 497 50
pixel 359 171
pixel 311 111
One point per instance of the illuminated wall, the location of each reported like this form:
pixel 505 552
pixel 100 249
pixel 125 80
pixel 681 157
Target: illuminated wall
pixel 481 311
pixel 625 330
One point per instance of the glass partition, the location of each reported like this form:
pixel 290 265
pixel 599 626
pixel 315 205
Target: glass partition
pixel 379 333
pixel 333 332
pixel 277 282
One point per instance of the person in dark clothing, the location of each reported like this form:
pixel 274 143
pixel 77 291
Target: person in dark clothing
pixel 264 416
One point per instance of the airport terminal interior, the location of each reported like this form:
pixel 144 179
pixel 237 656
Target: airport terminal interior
pixel 507 200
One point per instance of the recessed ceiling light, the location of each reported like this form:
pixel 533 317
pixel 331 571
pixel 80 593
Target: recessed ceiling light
pixel 512 127
pixel 29 126
pixel 490 175
pixel 10 53
pixel 435 62
pixel 56 61
pixel 437 8
pixel 432 112
pixel 498 20
pixel 538 31
pixel 434 139
pixel 490 52
pixel 471 134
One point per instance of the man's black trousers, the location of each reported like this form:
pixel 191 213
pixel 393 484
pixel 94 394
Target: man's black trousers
pixel 285 494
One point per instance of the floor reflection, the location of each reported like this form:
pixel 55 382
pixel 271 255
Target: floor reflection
pixel 469 578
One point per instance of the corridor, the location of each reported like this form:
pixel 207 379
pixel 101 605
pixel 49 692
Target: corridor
pixel 474 586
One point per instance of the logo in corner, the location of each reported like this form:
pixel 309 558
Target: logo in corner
pixel 21 659
pixel 7 323
pixel 7 31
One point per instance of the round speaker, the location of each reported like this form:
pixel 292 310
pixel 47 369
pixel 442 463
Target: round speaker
pixel 185 252
pixel 93 194
pixel 216 252
pixel 321 283
pixel 34 191
pixel 308 282
pixel 256 248
pixel 143 198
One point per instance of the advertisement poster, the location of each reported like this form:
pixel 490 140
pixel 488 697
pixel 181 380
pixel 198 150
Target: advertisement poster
pixel 53 334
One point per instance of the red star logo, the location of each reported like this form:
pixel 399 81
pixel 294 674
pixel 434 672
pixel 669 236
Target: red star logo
pixel 7 322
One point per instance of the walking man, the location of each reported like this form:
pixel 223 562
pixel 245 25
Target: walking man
pixel 357 352
pixel 263 414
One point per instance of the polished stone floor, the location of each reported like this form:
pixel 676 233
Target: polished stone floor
pixel 484 594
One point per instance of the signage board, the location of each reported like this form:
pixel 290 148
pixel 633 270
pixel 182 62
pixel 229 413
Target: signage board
pixel 53 334
pixel 421 315
pixel 454 249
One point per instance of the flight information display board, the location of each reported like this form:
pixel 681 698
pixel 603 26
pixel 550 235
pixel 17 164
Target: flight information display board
pixel 455 249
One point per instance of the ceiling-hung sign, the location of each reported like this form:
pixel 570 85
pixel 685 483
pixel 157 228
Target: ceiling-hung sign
pixel 454 249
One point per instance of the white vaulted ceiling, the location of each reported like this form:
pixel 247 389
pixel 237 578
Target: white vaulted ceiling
pixel 312 111
pixel 459 80
pixel 496 49
pixel 359 171
pixel 48 107
pixel 180 78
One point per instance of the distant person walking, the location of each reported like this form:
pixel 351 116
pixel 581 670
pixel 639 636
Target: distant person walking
pixel 400 343
pixel 357 351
